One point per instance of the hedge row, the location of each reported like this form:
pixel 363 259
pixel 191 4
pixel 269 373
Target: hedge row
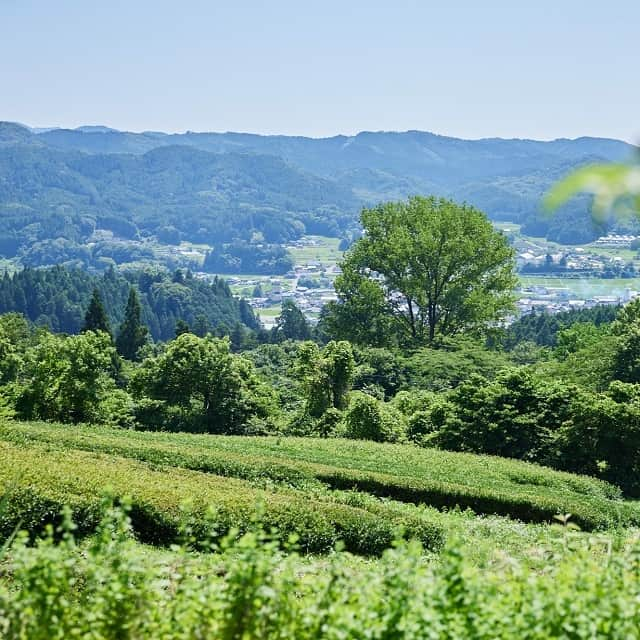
pixel 39 480
pixel 442 479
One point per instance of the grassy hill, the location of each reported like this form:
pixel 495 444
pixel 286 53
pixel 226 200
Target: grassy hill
pixel 302 482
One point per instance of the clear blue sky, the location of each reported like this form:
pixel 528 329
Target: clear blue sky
pixel 468 68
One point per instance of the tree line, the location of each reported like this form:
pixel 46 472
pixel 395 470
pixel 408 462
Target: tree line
pixel 57 297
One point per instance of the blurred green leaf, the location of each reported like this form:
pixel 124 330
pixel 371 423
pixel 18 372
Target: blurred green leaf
pixel 609 183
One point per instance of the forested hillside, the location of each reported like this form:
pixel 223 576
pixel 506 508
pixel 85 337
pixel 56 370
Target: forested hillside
pixel 52 202
pixel 58 297
pixel 58 187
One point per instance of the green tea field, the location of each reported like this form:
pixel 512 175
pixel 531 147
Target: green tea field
pixel 321 490
pixel 486 543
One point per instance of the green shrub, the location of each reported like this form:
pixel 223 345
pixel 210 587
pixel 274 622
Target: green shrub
pixel 367 418
pixel 111 590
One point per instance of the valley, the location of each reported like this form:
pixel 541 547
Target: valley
pixel 319 321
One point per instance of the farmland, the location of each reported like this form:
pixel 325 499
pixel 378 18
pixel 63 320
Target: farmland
pixel 311 476
pixel 583 287
pixel 187 495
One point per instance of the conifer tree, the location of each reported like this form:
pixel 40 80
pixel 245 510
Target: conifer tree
pixel 132 334
pixel 181 327
pixel 291 324
pixel 95 318
pixel 237 337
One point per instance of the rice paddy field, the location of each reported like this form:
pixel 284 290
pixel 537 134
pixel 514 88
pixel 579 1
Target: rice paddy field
pixel 583 288
pixel 320 249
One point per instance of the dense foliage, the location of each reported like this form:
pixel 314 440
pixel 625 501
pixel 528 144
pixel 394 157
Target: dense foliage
pixel 132 334
pixel 424 268
pixel 197 384
pixel 69 379
pixel 575 407
pixel 110 591
pixel 59 297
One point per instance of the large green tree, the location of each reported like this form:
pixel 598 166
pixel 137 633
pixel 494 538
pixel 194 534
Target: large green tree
pixel 325 376
pixel 291 323
pixel 428 267
pixel 69 378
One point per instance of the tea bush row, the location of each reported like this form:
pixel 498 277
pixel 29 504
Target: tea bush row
pixel 442 479
pixel 38 481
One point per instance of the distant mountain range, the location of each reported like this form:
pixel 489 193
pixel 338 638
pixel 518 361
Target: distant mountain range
pixel 62 184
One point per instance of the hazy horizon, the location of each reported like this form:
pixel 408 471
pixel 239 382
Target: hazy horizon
pixel 42 128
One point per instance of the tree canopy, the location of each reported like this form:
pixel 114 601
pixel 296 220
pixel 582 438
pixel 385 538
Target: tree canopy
pixel 199 381
pixel 68 378
pixel 424 268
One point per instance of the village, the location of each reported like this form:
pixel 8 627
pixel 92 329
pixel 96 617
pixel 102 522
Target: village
pixel 558 278
pixel 612 254
pixel 309 284
pixel 553 278
pixel 546 299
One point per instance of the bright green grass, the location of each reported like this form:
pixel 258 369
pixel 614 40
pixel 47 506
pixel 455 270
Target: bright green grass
pixel 487 541
pixel 496 541
pixel 326 251
pixel 401 472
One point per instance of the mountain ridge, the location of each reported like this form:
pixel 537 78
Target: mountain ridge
pixel 58 186
pixel 99 128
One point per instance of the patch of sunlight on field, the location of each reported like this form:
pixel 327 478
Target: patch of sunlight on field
pixel 325 251
pixel 584 287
